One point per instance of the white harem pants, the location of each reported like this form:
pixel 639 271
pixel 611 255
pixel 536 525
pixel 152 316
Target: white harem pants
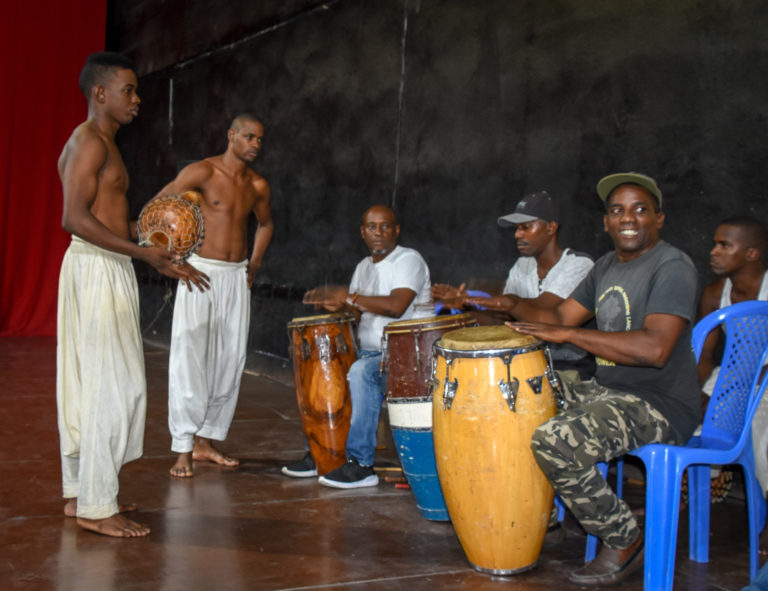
pixel 101 390
pixel 208 345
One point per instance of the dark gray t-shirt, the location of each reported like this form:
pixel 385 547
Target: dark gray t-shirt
pixel 661 281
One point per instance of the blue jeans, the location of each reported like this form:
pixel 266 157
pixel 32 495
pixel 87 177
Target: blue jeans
pixel 366 388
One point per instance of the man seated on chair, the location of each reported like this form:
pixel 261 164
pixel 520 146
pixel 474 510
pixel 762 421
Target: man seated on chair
pixel 390 284
pixel 645 390
pixel 544 275
pixel 737 259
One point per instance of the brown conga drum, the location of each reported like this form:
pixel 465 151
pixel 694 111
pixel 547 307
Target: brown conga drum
pixel 323 349
pixel 490 392
pixel 408 365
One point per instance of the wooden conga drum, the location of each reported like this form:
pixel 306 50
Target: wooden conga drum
pixel 408 364
pixel 490 392
pixel 323 349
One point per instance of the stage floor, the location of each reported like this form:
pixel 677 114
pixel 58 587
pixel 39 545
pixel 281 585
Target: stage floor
pixel 251 527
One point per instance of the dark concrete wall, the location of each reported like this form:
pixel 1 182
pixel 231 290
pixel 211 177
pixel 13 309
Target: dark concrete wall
pixel 449 111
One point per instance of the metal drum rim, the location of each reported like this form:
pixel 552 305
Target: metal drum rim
pixel 412 324
pixel 489 352
pixel 303 321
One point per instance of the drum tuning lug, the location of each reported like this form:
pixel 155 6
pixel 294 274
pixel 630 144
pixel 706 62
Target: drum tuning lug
pixel 323 343
pixel 341 344
pixel 306 350
pixel 535 384
pixel 554 380
pixel 557 387
pixel 509 391
pixel 449 391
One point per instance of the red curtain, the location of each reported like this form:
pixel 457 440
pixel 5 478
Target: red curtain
pixel 43 45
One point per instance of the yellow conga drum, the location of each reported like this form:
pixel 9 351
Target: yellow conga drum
pixel 323 348
pixel 490 392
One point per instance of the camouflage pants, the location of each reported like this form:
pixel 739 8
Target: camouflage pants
pixel 598 424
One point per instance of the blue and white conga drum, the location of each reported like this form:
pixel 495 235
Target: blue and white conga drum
pixel 408 363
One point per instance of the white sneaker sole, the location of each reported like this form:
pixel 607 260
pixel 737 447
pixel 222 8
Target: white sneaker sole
pixel 297 474
pixel 371 480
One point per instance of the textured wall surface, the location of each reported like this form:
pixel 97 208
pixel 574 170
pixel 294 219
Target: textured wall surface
pixel 449 111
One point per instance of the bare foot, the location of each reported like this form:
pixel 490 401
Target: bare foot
pixel 116 526
pixel 70 508
pixel 205 452
pixel 183 466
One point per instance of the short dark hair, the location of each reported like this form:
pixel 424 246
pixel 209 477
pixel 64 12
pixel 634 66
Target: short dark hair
pixel 754 231
pixel 99 67
pixel 238 121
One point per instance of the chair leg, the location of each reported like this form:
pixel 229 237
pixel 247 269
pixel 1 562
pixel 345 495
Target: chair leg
pixel 699 482
pixel 560 508
pixel 662 509
pixel 756 508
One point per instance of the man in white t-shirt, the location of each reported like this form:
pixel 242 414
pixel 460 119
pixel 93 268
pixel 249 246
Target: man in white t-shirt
pixel 391 284
pixel 545 274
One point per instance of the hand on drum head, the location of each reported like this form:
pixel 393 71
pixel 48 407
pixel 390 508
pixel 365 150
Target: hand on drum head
pixel 168 264
pixel 330 297
pixel 551 333
pixel 451 297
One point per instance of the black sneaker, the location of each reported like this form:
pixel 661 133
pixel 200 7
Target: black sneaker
pixel 350 475
pixel 304 468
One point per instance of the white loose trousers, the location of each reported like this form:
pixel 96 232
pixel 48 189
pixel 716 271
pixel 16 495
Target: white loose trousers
pixel 101 390
pixel 208 346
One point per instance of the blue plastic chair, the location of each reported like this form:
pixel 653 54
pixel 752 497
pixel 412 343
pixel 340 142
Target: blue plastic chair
pixel 472 292
pixel 726 438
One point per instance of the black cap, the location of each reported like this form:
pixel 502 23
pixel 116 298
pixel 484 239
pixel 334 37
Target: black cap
pixel 536 206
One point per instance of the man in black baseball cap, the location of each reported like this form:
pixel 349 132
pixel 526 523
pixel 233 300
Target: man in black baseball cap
pixel 536 206
pixel 544 274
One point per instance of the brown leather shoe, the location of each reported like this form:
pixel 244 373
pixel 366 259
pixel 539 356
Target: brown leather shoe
pixel 608 568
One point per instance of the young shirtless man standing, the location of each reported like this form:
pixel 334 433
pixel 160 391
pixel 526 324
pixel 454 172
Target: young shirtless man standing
pixel 100 385
pixel 210 329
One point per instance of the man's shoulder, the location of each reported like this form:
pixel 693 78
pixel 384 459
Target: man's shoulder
pixel 669 252
pixel 571 254
pixel 401 253
pixel 86 136
pixel 710 296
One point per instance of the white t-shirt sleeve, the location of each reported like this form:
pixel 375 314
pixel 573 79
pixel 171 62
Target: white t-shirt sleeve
pixel 513 279
pixel 563 278
pixel 410 272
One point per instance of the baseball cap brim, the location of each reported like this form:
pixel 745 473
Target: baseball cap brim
pixel 515 218
pixel 607 184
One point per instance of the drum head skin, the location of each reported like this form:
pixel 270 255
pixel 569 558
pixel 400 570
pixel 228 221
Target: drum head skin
pixel 430 323
pixel 320 319
pixel 481 338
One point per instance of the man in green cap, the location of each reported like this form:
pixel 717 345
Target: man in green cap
pixel 645 390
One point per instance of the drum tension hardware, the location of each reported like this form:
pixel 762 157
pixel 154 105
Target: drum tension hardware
pixel 535 383
pixel 554 381
pixel 324 347
pixel 450 386
pixel 511 386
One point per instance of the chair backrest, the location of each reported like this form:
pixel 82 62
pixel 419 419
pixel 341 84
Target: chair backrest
pixel 745 328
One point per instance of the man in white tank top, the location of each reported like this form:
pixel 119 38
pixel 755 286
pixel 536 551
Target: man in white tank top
pixel 737 258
